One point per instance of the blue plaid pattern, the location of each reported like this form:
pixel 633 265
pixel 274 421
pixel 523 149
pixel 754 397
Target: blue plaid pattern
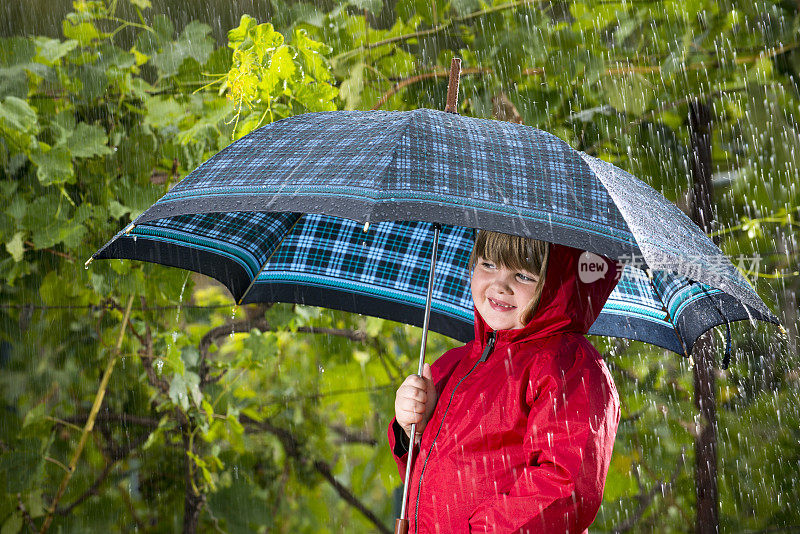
pixel 390 260
pixel 634 295
pixel 249 237
pixel 421 156
pixel 285 206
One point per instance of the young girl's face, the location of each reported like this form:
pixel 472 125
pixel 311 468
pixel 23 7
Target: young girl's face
pixel 501 294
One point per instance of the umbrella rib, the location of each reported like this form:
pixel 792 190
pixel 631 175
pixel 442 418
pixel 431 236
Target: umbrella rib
pixel 264 266
pixel 666 311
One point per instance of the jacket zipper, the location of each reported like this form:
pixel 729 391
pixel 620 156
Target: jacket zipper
pixel 485 356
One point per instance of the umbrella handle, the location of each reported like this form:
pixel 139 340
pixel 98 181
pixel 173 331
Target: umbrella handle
pixel 401 524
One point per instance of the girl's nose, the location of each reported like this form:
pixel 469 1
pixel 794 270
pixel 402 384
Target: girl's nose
pixel 502 284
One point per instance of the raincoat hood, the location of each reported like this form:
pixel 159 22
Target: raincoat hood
pixel 576 286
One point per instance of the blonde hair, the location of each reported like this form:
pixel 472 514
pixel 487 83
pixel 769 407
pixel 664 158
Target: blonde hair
pixel 516 253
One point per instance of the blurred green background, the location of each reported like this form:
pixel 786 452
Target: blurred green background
pixel 273 418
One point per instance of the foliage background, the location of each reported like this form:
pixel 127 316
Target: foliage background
pixel 273 418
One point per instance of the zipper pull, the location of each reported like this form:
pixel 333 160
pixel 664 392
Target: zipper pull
pixel 489 347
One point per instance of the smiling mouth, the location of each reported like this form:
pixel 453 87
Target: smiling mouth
pixel 496 304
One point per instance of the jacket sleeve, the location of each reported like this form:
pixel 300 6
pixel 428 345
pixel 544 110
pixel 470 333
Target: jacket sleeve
pixel 572 423
pixel 441 370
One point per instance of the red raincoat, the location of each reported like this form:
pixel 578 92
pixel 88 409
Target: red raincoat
pixel 524 426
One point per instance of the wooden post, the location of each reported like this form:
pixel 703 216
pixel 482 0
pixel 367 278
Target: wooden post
pixel 705 385
pixel 452 86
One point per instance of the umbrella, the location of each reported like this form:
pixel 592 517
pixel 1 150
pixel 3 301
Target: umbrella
pixel 350 209
pixel 337 209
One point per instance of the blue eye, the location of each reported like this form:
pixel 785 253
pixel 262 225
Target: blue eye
pixel 525 278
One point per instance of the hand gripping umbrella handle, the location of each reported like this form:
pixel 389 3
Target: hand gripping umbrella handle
pixel 401 524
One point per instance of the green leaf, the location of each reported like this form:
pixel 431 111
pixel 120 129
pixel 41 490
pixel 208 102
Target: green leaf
pixel 17 207
pixel 265 40
pixel 630 94
pixel 281 63
pixel 54 164
pixel 117 210
pixel 34 416
pixel 177 392
pixel 16 114
pixel 237 35
pixel 49 51
pixel 14 81
pixel 163 27
pixel 18 124
pixel 46 236
pixel 54 291
pixel 208 409
pixel 197 39
pixel 219 61
pixel 192 381
pixel 350 89
pixel 239 506
pixel 34 503
pixel 190 355
pixel 22 465
pixel 163 111
pixel 313 60
pixel 141 4
pixel 13 524
pixel 316 97
pixel 87 9
pixel 194 42
pixel 16 50
pixel 83 32
pixel 463 7
pixel 42 211
pixel 93 81
pixel 99 283
pixel 114 59
pixel 16 247
pixel 88 141
pixel 234 424
pixel 138 57
pixel 71 234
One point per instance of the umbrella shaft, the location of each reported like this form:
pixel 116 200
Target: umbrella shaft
pixel 423 343
pixel 428 299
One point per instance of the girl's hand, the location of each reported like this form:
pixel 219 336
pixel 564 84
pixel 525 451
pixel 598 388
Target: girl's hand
pixel 415 402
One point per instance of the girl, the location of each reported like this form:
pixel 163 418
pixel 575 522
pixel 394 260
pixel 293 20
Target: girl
pixel 515 429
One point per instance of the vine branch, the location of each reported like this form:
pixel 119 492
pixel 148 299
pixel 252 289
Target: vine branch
pixel 293 448
pixel 87 429
pixel 611 71
pixel 646 497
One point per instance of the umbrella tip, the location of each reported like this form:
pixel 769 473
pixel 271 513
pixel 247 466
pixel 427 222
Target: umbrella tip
pixel 452 88
pixel 90 260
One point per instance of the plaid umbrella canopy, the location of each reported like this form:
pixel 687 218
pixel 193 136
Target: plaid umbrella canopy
pixel 337 209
